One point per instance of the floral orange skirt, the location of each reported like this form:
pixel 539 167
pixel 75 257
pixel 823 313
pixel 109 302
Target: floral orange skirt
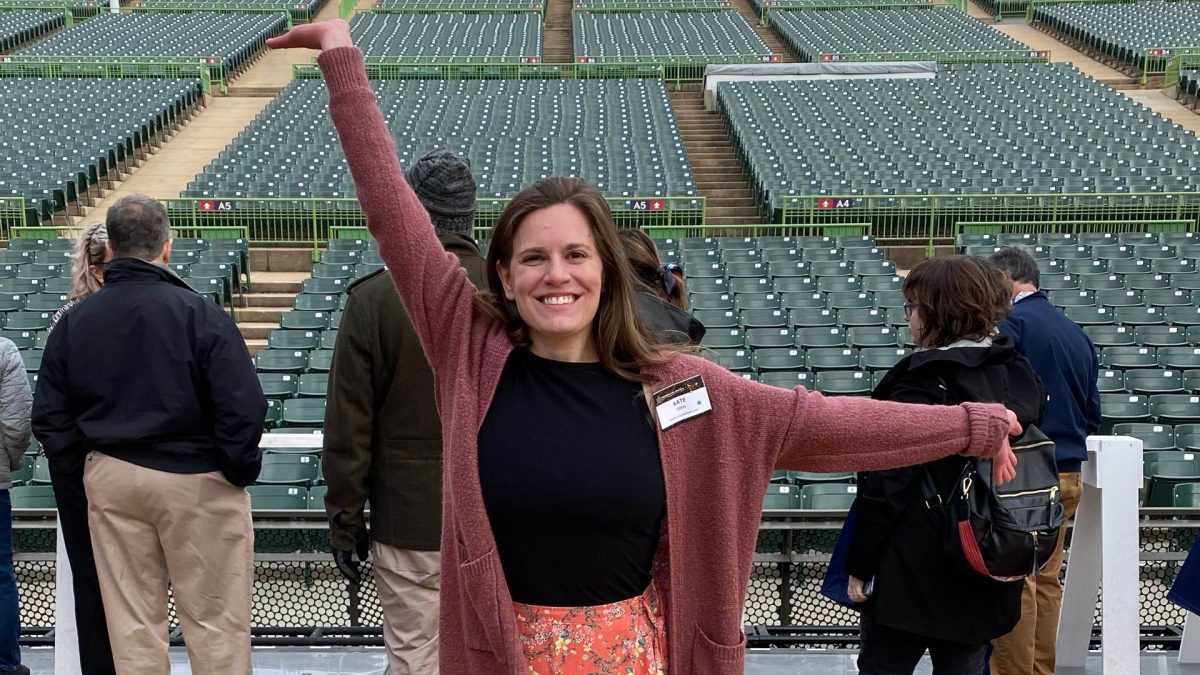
pixel 625 638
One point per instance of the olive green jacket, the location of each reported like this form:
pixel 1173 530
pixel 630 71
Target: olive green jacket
pixel 383 437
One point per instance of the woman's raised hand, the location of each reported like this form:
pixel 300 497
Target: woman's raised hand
pixel 323 35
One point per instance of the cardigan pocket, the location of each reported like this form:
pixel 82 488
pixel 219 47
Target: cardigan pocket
pixel 480 586
pixel 717 659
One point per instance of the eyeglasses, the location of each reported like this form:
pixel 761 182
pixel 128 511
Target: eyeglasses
pixel 909 307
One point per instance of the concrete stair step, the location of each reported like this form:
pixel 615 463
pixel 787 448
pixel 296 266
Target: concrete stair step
pixel 255 346
pixel 256 330
pixel 733 211
pixel 282 300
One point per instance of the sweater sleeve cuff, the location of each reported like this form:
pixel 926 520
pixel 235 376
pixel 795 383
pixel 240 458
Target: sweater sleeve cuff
pixel 988 423
pixel 344 69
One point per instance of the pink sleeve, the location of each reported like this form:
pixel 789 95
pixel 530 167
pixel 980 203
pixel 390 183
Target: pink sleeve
pixel 435 289
pixel 829 434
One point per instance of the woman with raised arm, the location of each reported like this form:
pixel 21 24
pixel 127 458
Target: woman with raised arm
pixel 602 493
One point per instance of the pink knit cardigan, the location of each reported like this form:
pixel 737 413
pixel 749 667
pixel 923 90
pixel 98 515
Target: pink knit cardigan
pixel 716 466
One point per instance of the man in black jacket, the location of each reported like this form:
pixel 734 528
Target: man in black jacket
pixel 149 386
pixel 383 437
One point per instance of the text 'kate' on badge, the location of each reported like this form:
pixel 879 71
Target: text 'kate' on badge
pixel 681 401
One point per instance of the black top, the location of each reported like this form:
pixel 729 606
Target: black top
pixel 151 372
pixel 572 483
pixel 919 586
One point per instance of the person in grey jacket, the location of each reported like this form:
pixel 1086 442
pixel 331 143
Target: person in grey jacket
pixel 15 403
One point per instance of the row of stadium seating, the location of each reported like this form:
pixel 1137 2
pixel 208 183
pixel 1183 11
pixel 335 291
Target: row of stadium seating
pixel 611 35
pixel 470 5
pixel 814 33
pixel 1189 85
pixel 234 38
pixel 965 131
pixel 496 36
pixel 619 134
pixel 262 497
pixel 1124 31
pixel 20 26
pixel 60 138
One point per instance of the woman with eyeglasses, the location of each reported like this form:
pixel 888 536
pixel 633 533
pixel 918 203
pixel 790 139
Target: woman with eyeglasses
pixel 80 635
pixel 915 595
pixel 661 295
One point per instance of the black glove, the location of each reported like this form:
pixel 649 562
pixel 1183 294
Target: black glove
pixel 345 561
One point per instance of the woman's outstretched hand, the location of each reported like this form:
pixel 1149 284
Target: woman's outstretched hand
pixel 1004 464
pixel 323 35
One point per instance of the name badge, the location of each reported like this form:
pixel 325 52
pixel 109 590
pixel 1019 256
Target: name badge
pixel 681 401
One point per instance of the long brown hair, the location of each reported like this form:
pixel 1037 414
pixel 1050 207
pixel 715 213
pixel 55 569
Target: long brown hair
pixel 622 341
pixel 959 298
pixel 649 273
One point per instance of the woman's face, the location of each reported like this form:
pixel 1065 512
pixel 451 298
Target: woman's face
pixel 555 277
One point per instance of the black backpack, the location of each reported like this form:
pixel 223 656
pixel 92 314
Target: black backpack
pixel 1010 532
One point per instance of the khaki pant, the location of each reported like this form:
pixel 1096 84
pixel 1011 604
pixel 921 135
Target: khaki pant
pixel 1030 648
pixel 151 528
pixel 408 583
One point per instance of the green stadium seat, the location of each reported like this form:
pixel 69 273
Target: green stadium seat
pixel 777 359
pixel 304 412
pixel 278 385
pixel 316 303
pixel 1163 473
pixel 1182 316
pixel 1119 408
pixel 803 300
pixel 787 379
pixel 1174 409
pixel 881 359
pixel 320 360
pixel 32 497
pixel 313 385
pixel 278 497
pixel 1111 336
pixel 1153 436
pixel 1089 316
pixel 1151 381
pixel 281 361
pixel 1119 298
pixel 291 340
pixel 1187 495
pixel 1127 358
pixel 820 336
pixel 780 497
pixel 1187 437
pixel 731 338
pixel 831 358
pixel 718 318
pixel 305 320
pixel 744 301
pixel 871 336
pixel 1160 336
pixel 843 383
pixel 803 478
pixel 27 321
pixel 289 469
pixel 861 317
pixel 828 497
pixel 1140 316
pixel 1073 298
pixel 23 475
pixel 757 338
pixel 1179 358
pixel 710 301
pixel 813 317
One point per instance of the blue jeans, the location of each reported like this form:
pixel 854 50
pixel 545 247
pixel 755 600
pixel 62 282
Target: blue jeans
pixel 10 618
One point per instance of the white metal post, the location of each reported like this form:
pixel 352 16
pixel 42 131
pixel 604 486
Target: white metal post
pixel 1104 552
pixel 114 6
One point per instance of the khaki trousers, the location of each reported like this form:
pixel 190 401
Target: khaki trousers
pixel 408 583
pixel 152 528
pixel 1030 648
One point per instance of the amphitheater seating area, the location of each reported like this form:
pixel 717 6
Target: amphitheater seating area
pixel 466 5
pixel 107 120
pixel 1124 31
pixel 969 130
pixel 230 37
pixel 617 35
pixel 619 134
pixel 449 36
pixel 20 26
pixel 815 33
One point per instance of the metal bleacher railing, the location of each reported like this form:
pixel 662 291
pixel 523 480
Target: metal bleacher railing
pixel 74 9
pixel 297 12
pixel 1153 61
pixel 300 598
pixel 766 7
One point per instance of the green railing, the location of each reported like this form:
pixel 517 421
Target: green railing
pixel 766 7
pixel 132 66
pixel 1156 62
pixel 1071 226
pixel 679 68
pixel 649 5
pixel 296 13
pixel 511 71
pixel 972 56
pixel 346 8
pixel 47 232
pixel 677 231
pixel 74 10
pixel 309 222
pixel 13 213
pixel 450 6
pixel 462 60
pixel 934 219
pixel 1176 67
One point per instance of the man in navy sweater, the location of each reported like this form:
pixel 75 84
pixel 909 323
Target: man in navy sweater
pixel 1063 356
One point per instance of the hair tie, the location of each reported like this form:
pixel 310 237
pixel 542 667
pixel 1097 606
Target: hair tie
pixel 667 276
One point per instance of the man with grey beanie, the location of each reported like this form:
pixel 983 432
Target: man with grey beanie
pixel 383 438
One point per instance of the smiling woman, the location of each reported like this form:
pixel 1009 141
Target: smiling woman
pixel 602 491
